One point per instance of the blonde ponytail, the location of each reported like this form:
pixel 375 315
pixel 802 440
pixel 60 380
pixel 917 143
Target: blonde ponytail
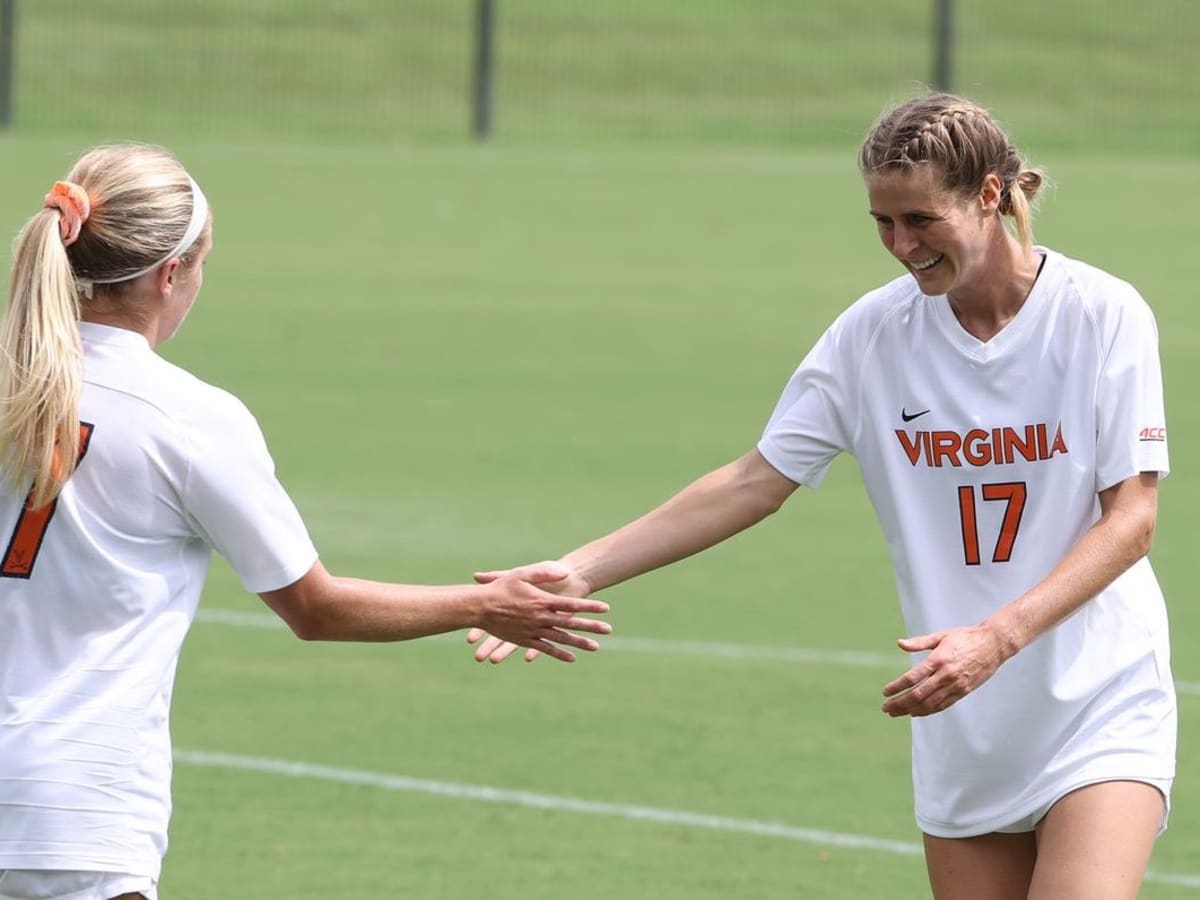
pixel 123 211
pixel 1020 201
pixel 40 364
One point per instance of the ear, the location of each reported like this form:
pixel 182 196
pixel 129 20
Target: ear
pixel 166 276
pixel 990 194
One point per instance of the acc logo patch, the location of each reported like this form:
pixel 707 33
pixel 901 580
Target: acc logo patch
pixel 1152 434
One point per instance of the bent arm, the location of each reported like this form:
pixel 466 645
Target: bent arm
pixel 1122 535
pixel 964 658
pixel 706 512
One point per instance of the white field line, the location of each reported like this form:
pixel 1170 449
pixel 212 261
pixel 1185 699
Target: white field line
pixel 486 794
pixel 862 658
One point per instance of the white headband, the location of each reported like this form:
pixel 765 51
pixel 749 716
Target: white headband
pixel 195 226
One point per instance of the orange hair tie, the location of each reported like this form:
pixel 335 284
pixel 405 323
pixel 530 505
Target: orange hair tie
pixel 73 205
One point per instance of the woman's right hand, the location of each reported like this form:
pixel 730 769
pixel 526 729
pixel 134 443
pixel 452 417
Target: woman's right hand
pixel 551 577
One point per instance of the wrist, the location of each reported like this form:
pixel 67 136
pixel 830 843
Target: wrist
pixel 578 570
pixel 477 605
pixel 1008 634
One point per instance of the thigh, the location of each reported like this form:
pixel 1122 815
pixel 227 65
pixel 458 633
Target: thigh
pixel 989 867
pixel 1095 843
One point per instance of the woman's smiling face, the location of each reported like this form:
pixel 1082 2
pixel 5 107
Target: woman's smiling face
pixel 939 236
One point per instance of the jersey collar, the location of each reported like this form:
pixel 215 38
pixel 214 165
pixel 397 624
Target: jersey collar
pixel 93 333
pixel 1012 334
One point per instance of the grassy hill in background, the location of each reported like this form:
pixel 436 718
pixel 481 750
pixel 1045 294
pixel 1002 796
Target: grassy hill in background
pixel 1093 75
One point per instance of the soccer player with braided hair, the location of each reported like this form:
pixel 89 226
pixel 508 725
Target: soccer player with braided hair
pixel 121 475
pixel 1004 403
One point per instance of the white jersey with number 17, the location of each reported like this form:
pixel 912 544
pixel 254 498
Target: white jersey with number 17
pixel 983 461
pixel 98 591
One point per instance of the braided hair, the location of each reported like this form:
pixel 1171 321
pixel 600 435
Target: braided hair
pixel 964 143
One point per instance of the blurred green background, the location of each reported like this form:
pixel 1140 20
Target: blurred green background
pixel 467 356
pixel 1073 74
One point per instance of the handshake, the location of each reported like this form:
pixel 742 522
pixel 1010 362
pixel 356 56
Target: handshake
pixel 536 606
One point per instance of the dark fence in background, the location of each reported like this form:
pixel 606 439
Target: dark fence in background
pixel 1104 74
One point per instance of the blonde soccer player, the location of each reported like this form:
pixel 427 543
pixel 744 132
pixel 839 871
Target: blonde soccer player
pixel 122 474
pixel 1004 403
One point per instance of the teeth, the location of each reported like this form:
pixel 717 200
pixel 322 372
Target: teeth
pixel 927 264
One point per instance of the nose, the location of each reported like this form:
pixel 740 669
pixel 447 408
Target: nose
pixel 904 241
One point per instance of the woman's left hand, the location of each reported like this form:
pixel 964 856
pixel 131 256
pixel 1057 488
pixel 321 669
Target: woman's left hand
pixel 961 660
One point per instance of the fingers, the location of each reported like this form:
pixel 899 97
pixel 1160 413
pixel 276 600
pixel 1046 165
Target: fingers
pixel 910 694
pixel 909 697
pixel 526 611
pixel 920 642
pixel 909 679
pixel 918 673
pixel 543 572
pixel 495 650
pixel 489 647
pixel 593 626
pixel 553 650
pixel 961 660
pixel 576 605
pixel 574 640
pixel 929 687
pixel 502 650
pixel 924 699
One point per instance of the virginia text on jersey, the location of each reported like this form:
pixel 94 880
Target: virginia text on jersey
pixel 980 447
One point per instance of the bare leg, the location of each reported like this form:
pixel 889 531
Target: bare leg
pixel 1095 843
pixel 988 867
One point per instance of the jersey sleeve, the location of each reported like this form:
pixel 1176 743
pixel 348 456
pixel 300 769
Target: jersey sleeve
pixel 812 422
pixel 1131 422
pixel 238 505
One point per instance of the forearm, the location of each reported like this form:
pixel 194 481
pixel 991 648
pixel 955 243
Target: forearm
pixel 960 659
pixel 326 607
pixel 1120 538
pixel 706 512
pixel 361 610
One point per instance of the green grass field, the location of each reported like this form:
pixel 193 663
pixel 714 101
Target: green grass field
pixel 466 357
pixel 540 345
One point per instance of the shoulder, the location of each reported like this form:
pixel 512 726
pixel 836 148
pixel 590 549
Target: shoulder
pixel 888 306
pixel 201 408
pixel 216 435
pixel 163 390
pixel 1107 300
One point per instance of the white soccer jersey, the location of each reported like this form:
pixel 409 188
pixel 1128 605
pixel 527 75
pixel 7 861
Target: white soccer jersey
pixel 983 462
pixel 95 600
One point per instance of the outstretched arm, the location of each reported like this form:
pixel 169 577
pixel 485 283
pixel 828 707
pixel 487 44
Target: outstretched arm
pixel 964 658
pixel 702 515
pixel 706 512
pixel 321 606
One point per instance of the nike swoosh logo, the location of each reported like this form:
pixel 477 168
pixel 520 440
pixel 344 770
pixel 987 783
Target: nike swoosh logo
pixel 908 418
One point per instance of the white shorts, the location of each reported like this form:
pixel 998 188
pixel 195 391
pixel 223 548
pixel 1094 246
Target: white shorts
pixel 1029 822
pixel 55 884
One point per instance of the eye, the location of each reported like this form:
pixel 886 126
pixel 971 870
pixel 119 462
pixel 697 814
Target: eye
pixel 917 220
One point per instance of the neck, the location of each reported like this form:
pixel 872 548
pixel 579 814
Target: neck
pixel 122 314
pixel 986 305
